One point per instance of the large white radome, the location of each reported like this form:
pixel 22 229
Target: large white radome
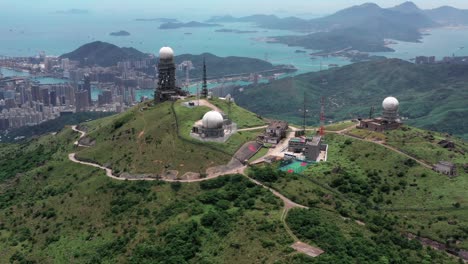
pixel 390 104
pixel 212 120
pixel 166 53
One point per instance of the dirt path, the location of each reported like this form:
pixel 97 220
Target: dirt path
pixel 82 135
pixel 288 204
pixel 343 133
pixel 204 102
pixel 251 128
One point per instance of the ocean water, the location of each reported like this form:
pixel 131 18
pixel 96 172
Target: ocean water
pixel 439 42
pixel 55 34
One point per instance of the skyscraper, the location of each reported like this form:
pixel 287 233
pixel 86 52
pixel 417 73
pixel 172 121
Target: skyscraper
pixel 53 98
pixel 87 87
pixel 35 93
pixel 81 101
pixel 45 96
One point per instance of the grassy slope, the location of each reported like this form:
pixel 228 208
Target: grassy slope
pixel 431 96
pixel 159 147
pixel 361 176
pixel 63 212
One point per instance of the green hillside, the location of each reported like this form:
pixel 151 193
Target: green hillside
pixel 55 211
pixel 368 182
pixel 147 139
pixel 432 97
pixel 62 212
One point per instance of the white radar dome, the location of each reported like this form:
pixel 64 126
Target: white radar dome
pixel 390 104
pixel 212 120
pixel 166 53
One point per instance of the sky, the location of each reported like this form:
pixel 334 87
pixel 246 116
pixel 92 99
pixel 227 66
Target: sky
pixel 205 7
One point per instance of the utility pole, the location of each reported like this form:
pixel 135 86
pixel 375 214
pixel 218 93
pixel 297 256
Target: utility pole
pixel 371 112
pixel 304 111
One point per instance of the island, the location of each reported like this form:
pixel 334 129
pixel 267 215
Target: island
pixel 226 30
pixel 121 33
pixel 162 20
pixel 191 24
pixel 73 11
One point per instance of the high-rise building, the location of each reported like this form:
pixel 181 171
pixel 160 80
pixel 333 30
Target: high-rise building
pixel 35 93
pixel 87 87
pixel 45 96
pixel 105 97
pixel 53 98
pixel 81 101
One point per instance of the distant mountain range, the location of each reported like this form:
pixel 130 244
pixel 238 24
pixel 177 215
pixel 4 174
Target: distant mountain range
pixel 362 27
pixel 191 24
pixel 106 55
pixel 431 96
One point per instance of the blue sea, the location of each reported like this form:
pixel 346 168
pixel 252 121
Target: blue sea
pixel 55 34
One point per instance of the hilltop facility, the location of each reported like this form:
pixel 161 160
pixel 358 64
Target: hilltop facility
pixel 307 148
pixel 167 89
pixel 390 119
pixel 214 126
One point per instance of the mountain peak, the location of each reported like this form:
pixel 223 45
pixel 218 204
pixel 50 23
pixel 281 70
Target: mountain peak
pixel 407 7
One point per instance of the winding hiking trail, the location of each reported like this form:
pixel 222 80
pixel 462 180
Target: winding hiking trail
pixel 240 169
pixel 288 204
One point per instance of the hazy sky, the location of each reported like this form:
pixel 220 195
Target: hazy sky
pixel 291 7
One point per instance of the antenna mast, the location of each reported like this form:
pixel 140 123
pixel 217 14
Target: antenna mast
pixel 322 118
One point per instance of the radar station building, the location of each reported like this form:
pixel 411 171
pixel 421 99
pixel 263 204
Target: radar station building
pixel 214 126
pixel 390 119
pixel 167 89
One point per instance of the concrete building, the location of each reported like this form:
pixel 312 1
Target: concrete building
pixel 81 101
pixel 445 167
pixel 45 97
pixel 275 132
pixel 213 127
pixel 390 119
pixel 311 147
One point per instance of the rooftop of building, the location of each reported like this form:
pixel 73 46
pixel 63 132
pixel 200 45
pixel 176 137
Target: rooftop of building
pixel 277 124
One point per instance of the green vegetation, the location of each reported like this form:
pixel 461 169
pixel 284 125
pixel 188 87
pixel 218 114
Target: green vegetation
pixel 60 212
pixel 55 211
pixel 347 242
pixel 218 67
pixel 52 125
pixel 15 159
pixel 147 142
pixel 243 118
pixel 361 179
pixel 339 126
pixel 103 54
pixel 432 97
pixel 147 139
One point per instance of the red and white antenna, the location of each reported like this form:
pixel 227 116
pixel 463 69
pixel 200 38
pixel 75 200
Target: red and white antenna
pixel 322 118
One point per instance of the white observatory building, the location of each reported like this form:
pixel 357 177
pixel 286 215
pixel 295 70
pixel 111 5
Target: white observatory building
pixel 214 126
pixel 390 119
